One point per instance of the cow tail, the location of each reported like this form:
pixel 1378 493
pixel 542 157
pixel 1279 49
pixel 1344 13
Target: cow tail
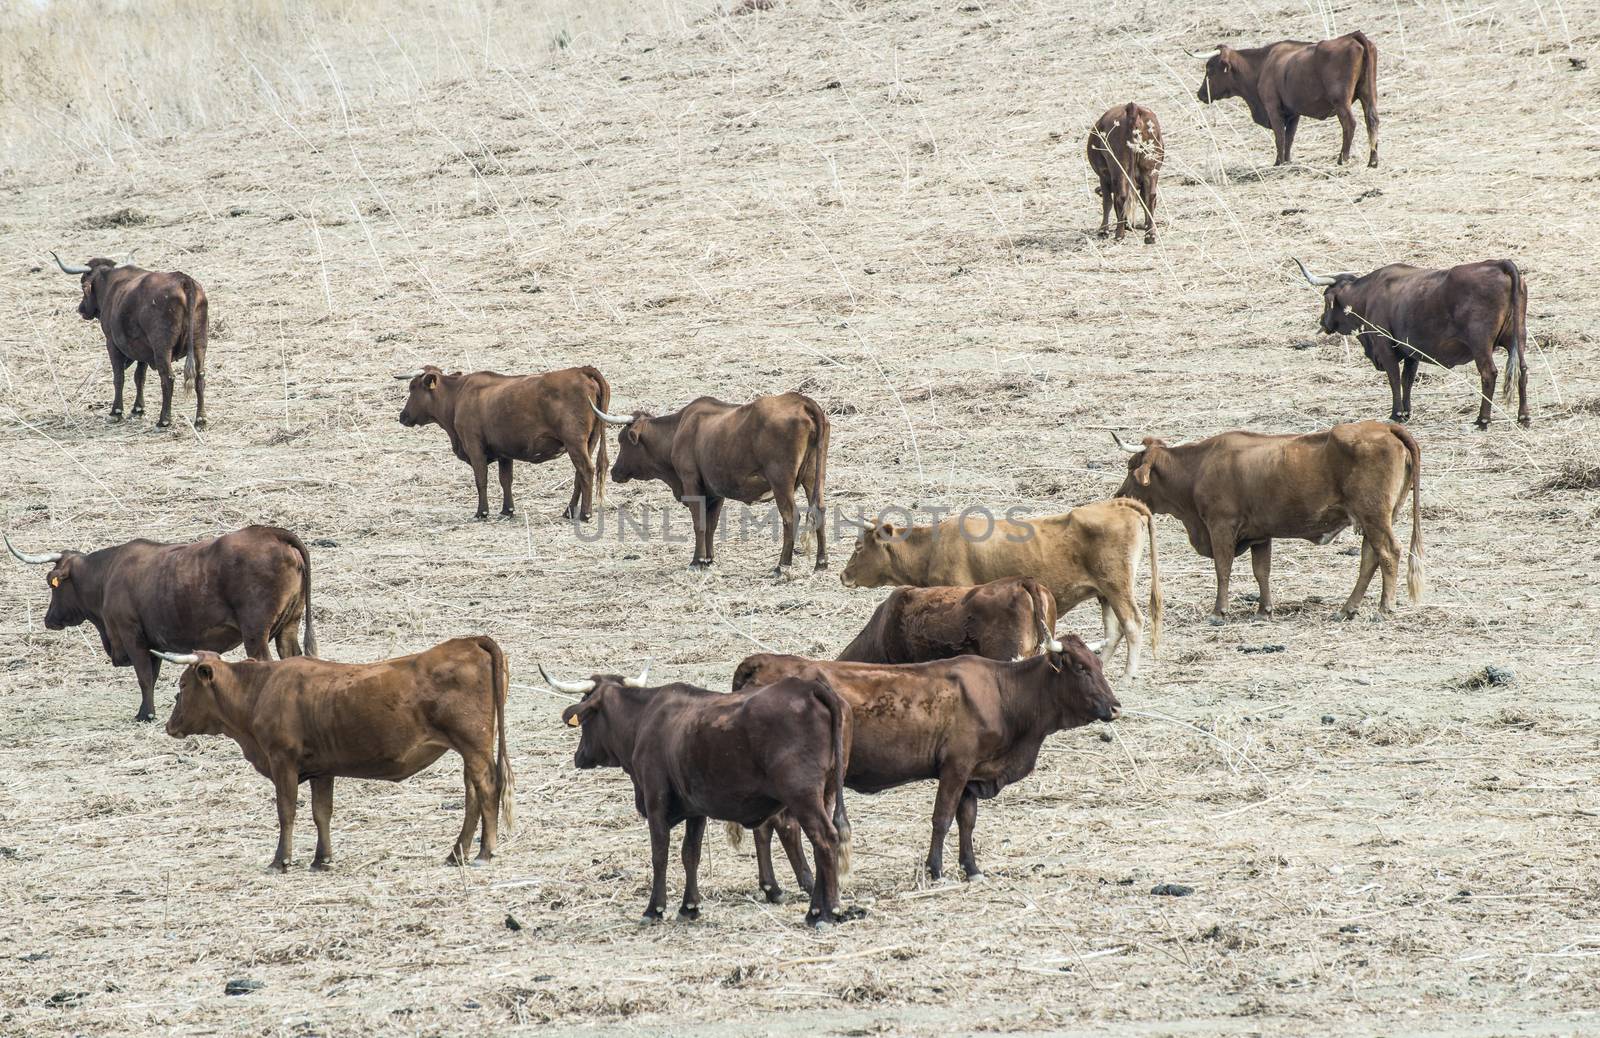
pixel 602 400
pixel 735 834
pixel 194 330
pixel 1518 350
pixel 819 472
pixel 505 782
pixel 1156 603
pixel 1367 82
pixel 1416 576
pixel 310 646
pixel 839 716
pixel 1043 612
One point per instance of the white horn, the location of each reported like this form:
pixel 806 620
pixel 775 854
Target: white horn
pixel 1095 647
pixel 405 378
pixel 1130 449
pixel 1202 53
pixel 610 419
pixel 644 675
pixel 571 688
pixel 74 269
pixel 183 659
pixel 33 560
pixel 1318 280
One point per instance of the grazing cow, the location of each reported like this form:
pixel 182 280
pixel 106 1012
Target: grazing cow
pixel 1242 489
pixel 1125 151
pixel 1404 315
pixel 1004 620
pixel 710 452
pixel 308 720
pixel 694 754
pixel 1090 552
pixel 1292 78
pixel 506 418
pixel 974 724
pixel 149 319
pixel 246 586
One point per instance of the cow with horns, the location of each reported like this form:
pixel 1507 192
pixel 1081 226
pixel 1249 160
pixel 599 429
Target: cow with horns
pixel 1284 81
pixel 247 586
pixel 1405 315
pixel 1005 619
pixel 497 418
pixel 1125 151
pixel 150 319
pixel 709 452
pixel 741 758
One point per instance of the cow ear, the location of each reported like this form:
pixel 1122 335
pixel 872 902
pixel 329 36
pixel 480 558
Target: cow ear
pixel 430 381
pixel 203 671
pixel 1142 473
pixel 883 532
pixel 576 714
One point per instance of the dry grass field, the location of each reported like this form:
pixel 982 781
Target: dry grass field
pixel 887 206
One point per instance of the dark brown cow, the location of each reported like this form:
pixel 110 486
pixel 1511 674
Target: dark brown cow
pixel 974 724
pixel 1004 619
pixel 491 417
pixel 1406 315
pixel 307 720
pixel 1240 490
pixel 149 319
pixel 710 452
pixel 1292 78
pixel 247 586
pixel 1125 152
pixel 694 754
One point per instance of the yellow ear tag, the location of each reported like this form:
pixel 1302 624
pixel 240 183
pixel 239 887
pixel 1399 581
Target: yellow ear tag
pixel 572 722
pixel 55 581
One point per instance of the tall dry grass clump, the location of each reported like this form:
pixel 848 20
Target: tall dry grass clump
pixel 83 79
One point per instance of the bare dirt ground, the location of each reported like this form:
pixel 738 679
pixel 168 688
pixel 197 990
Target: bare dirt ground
pixel 887 206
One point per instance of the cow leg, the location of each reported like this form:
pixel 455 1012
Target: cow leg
pixel 783 498
pixel 818 827
pixel 1105 209
pixel 1123 189
pixel 966 821
pixel 1291 123
pixel 1113 630
pixel 1347 125
pixel 469 822
pixel 1147 198
pixel 286 780
pixel 789 835
pixel 119 371
pixel 660 846
pixel 322 813
pixel 480 775
pixel 1279 138
pixel 1523 416
pixel 255 644
pixel 146 668
pixel 287 641
pixel 1132 625
pixel 1408 377
pixel 581 506
pixel 713 517
pixel 1261 562
pixel 1370 114
pixel 694 831
pixel 1369 564
pixel 1487 373
pixel 766 879
pixel 164 370
pixel 505 488
pixel 1391 369
pixel 138 388
pixel 1222 545
pixel 952 784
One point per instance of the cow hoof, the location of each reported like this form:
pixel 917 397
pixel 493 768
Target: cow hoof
pixel 584 517
pixel 1149 239
pixel 279 867
pixel 651 917
pixel 1102 233
pixel 321 864
pixel 688 914
pixel 480 517
pixel 1216 619
pixel 699 564
pixel 1482 425
pixel 817 919
pixel 163 423
pixel 145 717
pixel 977 876
pixel 1372 163
pixel 1526 421
pixel 506 513
pixel 116 416
pixel 774 895
pixel 199 423
pixel 137 412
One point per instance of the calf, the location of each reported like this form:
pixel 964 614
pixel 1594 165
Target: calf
pixel 694 754
pixel 306 720
pixel 1004 619
pixel 1125 152
pixel 973 724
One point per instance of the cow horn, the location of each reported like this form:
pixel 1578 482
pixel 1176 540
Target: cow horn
pixel 33 560
pixel 644 675
pixel 571 688
pixel 1130 449
pixel 74 269
pixel 1203 53
pixel 182 659
pixel 1047 637
pixel 404 378
pixel 1319 280
pixel 610 419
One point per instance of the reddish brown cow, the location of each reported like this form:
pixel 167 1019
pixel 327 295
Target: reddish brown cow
pixel 1125 152
pixel 1242 489
pixel 506 418
pixel 694 754
pixel 974 724
pixel 1292 78
pixel 1004 619
pixel 247 586
pixel 307 720
pixel 1406 315
pixel 149 319
pixel 710 452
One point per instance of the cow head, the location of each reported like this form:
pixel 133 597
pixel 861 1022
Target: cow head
pixel 603 740
pixel 1222 72
pixel 67 605
pixel 197 709
pixel 428 400
pixel 1146 479
pixel 643 445
pixel 875 562
pixel 1085 696
pixel 1339 316
pixel 93 276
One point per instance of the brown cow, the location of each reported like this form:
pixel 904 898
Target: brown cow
pixel 974 724
pixel 694 754
pixel 1090 552
pixel 307 720
pixel 1242 489
pixel 149 319
pixel 1292 78
pixel 1404 315
pixel 1125 151
pixel 1004 619
pixel 710 452
pixel 247 586
pixel 506 418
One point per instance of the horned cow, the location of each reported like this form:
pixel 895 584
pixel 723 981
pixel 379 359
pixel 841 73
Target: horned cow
pixel 1125 151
